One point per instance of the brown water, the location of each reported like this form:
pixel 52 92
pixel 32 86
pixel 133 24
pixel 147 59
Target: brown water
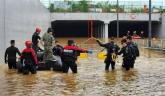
pixel 148 78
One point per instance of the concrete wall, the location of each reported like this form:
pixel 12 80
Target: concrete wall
pixel 18 20
pixel 2 39
pixel 162 34
pixel 107 17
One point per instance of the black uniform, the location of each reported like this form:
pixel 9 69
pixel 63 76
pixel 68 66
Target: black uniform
pixel 57 50
pixel 69 58
pixel 10 56
pixel 135 52
pixel 128 56
pixel 35 42
pixel 112 48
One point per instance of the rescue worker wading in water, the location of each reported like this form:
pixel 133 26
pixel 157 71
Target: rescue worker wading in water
pixel 29 59
pixel 128 55
pixel 10 55
pixel 112 50
pixel 69 56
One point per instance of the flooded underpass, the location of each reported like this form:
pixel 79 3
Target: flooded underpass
pixel 148 78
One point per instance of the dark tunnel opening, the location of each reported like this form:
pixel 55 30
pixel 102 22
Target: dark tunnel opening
pixel 132 26
pixel 74 28
pixel 82 28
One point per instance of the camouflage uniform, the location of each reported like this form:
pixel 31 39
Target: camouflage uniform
pixel 48 41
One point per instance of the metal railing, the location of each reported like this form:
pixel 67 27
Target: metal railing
pixel 109 6
pixel 158 44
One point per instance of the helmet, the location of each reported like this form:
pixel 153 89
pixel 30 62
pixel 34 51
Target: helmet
pixel 50 30
pixel 38 30
pixel 28 43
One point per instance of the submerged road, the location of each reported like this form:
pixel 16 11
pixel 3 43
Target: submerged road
pixel 148 78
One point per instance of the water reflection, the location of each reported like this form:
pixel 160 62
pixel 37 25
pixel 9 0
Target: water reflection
pixel 17 84
pixel 151 53
pixel 70 83
pixel 130 75
pixel 110 78
pixel 91 79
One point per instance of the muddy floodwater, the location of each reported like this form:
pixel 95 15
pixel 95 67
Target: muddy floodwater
pixel 146 79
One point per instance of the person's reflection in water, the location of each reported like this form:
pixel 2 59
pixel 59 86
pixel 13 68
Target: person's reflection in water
pixel 71 84
pixel 9 83
pixel 110 78
pixel 27 83
pixel 129 75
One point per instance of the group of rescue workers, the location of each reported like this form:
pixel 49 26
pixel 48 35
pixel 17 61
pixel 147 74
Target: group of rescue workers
pixel 129 53
pixel 66 56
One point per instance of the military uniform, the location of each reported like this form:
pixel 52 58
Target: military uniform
pixel 48 41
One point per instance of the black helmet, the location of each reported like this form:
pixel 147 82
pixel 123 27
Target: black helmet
pixel 70 42
pixel 50 30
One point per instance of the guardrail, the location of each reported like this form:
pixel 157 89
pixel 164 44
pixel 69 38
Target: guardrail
pixel 158 44
pixel 155 43
pixel 134 6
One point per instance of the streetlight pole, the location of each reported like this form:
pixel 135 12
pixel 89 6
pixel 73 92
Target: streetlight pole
pixel 150 25
pixel 117 18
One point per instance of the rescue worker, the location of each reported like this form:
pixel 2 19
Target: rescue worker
pixel 69 56
pixel 57 49
pixel 35 40
pixel 135 50
pixel 112 50
pixel 128 33
pixel 29 59
pixel 127 54
pixel 10 55
pixel 142 34
pixel 48 40
pixel 134 33
pixel 57 52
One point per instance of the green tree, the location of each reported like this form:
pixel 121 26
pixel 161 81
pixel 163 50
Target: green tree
pixel 51 7
pixel 81 6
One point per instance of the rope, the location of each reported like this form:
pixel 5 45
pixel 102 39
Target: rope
pixel 114 57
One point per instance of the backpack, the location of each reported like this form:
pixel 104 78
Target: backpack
pixel 57 51
pixel 136 49
pixel 130 51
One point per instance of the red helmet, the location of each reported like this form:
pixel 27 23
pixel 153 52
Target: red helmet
pixel 28 43
pixel 38 30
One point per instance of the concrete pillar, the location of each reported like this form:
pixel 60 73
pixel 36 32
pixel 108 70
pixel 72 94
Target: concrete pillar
pixel 100 31
pixel 103 31
pixel 106 32
pixel 96 32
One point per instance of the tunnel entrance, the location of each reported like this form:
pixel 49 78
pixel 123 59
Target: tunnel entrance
pixel 81 28
pixel 75 28
pixel 132 26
